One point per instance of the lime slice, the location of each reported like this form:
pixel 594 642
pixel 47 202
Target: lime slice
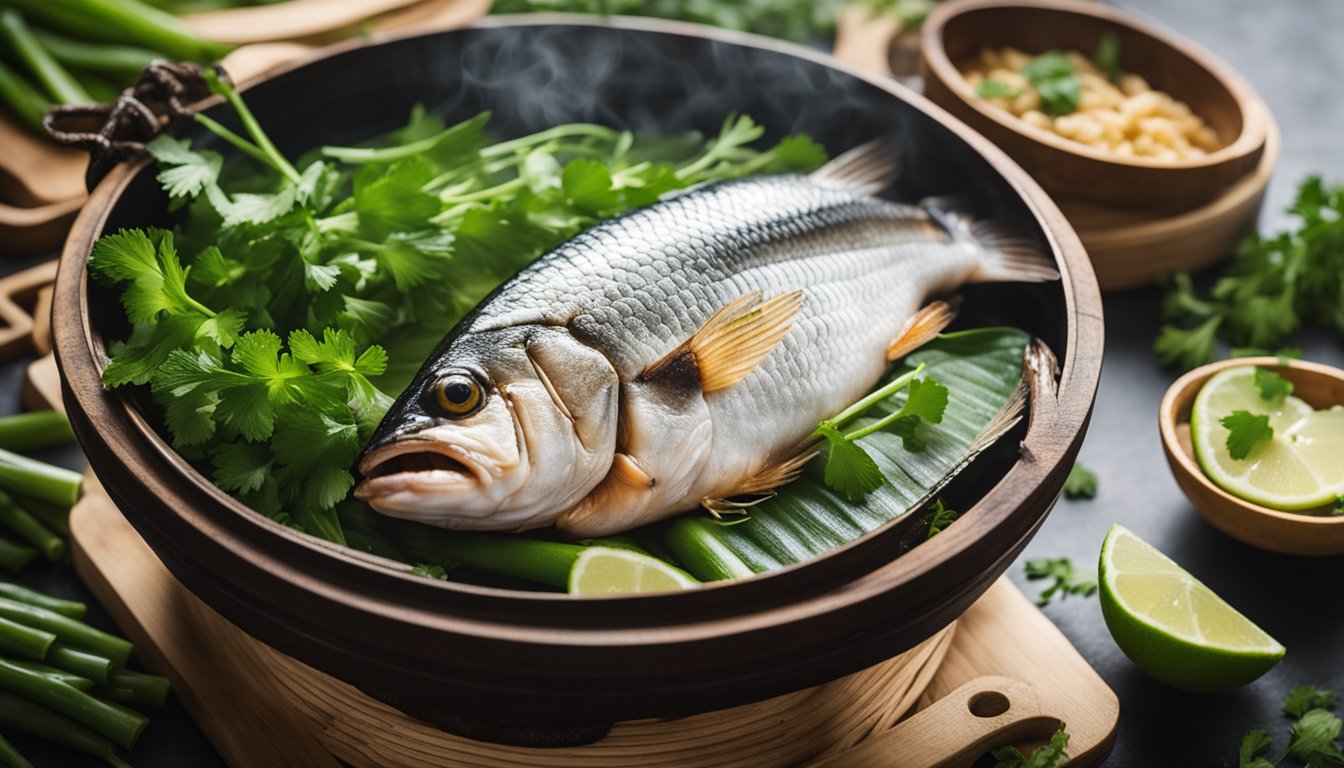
pixel 1173 627
pixel 1301 468
pixel 607 571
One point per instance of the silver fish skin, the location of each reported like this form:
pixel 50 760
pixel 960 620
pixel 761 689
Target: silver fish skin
pixel 587 404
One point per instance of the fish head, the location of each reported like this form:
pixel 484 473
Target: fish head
pixel 500 430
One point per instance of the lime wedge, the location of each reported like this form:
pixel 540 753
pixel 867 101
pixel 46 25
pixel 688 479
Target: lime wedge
pixel 1301 468
pixel 606 571
pixel 1173 627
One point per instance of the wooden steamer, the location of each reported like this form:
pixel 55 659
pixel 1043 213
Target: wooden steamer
pixel 501 656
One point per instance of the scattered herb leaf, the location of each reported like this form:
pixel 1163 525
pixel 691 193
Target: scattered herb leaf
pixel 1312 739
pixel 1106 57
pixel 850 471
pixel 1056 80
pixel 1048 756
pixel 1305 698
pixel 996 89
pixel 1081 483
pixel 1066 578
pixel 1254 747
pixel 941 517
pixel 1245 431
pixel 1273 387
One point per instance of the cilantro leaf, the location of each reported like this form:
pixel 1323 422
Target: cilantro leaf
pixel 1272 386
pixel 183 172
pixel 1106 57
pixel 940 517
pixel 1254 747
pixel 1081 483
pixel 1312 739
pixel 1056 80
pixel 1050 755
pixel 996 89
pixel 242 467
pixel 1066 579
pixel 1187 348
pixel 850 471
pixel 1245 431
pixel 1305 698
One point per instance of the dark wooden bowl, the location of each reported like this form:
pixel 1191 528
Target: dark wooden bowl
pixel 956 32
pixel 547 657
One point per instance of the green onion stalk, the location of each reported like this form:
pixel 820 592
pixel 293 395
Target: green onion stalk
pixel 54 78
pixel 522 557
pixel 34 431
pixel 124 22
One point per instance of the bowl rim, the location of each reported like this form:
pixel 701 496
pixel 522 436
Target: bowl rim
pixel 843 587
pixel 1180 397
pixel 1254 113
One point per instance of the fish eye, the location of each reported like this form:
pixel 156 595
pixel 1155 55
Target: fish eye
pixel 456 394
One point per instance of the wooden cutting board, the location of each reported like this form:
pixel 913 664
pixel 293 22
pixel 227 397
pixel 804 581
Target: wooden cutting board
pixel 1002 674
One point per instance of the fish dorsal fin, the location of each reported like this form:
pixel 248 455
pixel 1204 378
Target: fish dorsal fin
pixel 866 169
pixel 735 340
pixel 920 329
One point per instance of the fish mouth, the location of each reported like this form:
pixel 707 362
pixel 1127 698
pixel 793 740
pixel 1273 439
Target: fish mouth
pixel 418 468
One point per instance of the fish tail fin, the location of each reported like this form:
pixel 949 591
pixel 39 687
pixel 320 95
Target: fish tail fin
pixel 1011 255
pixel 866 169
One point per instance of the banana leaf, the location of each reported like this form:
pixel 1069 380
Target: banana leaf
pixel 982 369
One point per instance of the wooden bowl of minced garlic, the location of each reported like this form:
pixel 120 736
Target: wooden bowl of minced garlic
pixel 1098 105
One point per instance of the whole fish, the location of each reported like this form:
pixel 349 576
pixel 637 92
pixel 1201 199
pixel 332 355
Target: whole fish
pixel 679 355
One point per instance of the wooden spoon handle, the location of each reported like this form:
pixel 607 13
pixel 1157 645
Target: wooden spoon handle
pixel 863 39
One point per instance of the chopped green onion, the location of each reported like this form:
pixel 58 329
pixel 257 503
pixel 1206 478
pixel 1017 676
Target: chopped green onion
pixel 39 479
pixel 35 430
pixel 77 662
pixel 117 723
pixel 21 714
pixel 60 85
pixel 21 98
pixel 138 687
pixel 543 562
pixel 15 557
pixel 123 21
pixel 30 530
pixel 700 553
pixel 70 679
pixel 71 632
pixel 22 640
pixel 123 60
pixel 71 608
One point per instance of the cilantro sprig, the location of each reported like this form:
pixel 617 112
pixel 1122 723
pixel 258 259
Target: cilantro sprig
pixel 1081 483
pixel 1046 756
pixel 1273 285
pixel 1313 737
pixel 1272 386
pixel 1055 78
pixel 1065 578
pixel 261 323
pixel 1246 431
pixel 940 517
pixel 850 470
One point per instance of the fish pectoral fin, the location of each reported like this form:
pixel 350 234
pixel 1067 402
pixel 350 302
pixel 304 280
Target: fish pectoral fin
pixel 626 489
pixel 734 341
pixel 920 329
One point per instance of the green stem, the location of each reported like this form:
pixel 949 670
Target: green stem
pixel 124 22
pixel 242 144
pixel 58 82
pixel 253 127
pixel 507 187
pixel 143 689
pixel 543 562
pixel 35 478
pixel 694 544
pixel 95 667
pixel 23 715
pixel 541 137
pixel 21 98
pixel 24 595
pixel 30 530
pixel 10 757
pixel 22 640
pixel 874 397
pixel 356 155
pixel 71 632
pixel 35 430
pixel 117 723
pixel 15 557
pixel 72 680
pixel 124 60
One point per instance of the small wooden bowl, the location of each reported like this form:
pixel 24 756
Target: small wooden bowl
pixel 1291 533
pixel 957 31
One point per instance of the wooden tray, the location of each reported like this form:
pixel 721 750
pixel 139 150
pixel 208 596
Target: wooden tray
pixel 1128 248
pixel 1003 673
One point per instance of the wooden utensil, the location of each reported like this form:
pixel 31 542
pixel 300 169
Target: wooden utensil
pixel 1291 533
pixel 1002 674
pixel 956 32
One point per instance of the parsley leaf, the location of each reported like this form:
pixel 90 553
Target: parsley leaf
pixel 1081 483
pixel 1065 578
pixel 1273 387
pixel 1305 698
pixel 1106 57
pixel 940 517
pixel 1047 756
pixel 1245 431
pixel 996 89
pixel 850 471
pixel 1254 747
pixel 1056 80
pixel 1312 739
pixel 183 172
